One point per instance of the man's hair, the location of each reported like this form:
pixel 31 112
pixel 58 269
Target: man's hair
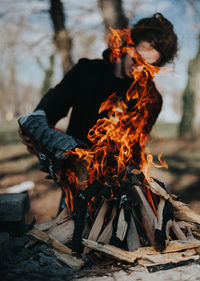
pixel 159 32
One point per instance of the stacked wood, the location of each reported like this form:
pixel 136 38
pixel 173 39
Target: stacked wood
pixel 148 256
pixel 117 224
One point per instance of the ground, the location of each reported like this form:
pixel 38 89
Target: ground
pixel 182 177
pixel 17 165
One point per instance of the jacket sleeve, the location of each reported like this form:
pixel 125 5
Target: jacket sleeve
pixel 58 100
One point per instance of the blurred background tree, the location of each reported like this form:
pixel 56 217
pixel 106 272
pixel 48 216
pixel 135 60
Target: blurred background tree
pixel 189 127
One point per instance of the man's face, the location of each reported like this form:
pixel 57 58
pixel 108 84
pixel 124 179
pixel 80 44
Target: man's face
pixel 146 51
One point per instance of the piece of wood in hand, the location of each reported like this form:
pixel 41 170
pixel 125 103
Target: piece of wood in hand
pixel 106 235
pixel 97 225
pixel 133 241
pixel 147 214
pixel 122 226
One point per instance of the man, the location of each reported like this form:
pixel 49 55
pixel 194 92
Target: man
pixel 90 82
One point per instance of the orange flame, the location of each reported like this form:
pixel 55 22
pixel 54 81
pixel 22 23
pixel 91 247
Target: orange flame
pixel 118 140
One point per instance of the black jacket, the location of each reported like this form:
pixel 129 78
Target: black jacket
pixel 85 87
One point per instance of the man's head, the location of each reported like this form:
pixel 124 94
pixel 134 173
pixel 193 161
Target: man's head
pixel 154 40
pixel 159 33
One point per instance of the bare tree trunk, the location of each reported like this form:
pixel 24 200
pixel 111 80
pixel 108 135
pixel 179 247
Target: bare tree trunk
pixel 113 14
pixel 190 122
pixel 62 38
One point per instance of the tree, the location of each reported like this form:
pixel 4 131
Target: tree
pixel 189 127
pixel 113 14
pixel 62 38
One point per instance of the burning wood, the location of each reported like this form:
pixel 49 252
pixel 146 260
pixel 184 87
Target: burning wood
pixel 108 198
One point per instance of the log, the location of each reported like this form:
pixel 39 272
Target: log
pixel 121 226
pixel 97 225
pixel 106 235
pixel 44 225
pixel 182 211
pixel 168 258
pixel 133 241
pixel 52 223
pixel 177 231
pixel 42 236
pixel 144 252
pixel 62 232
pixel 69 260
pixel 147 215
pixel 64 253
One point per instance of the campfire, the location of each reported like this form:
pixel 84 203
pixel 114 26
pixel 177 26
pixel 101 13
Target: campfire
pixel 112 204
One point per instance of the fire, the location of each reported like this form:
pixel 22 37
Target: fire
pixel 119 138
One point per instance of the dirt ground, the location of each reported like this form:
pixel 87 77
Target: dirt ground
pixel 17 165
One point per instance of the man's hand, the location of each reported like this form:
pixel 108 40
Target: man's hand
pixel 26 140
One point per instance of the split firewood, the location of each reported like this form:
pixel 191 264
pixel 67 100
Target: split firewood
pixel 133 241
pixel 62 232
pixel 42 236
pixel 69 260
pixel 182 211
pixel 106 235
pixel 122 226
pixel 144 252
pixel 44 226
pixel 97 225
pixel 147 215
pixel 177 231
pixel 168 258
pixel 63 250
